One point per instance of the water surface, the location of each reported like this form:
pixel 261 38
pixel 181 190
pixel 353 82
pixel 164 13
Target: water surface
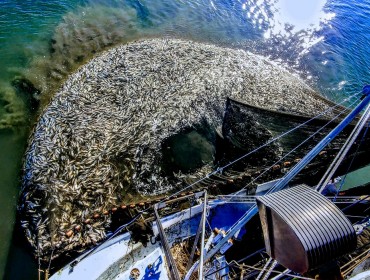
pixel 324 42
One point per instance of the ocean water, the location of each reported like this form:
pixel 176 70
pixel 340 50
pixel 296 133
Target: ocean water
pixel 41 42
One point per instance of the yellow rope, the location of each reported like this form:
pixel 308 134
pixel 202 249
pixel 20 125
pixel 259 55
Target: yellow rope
pixel 356 262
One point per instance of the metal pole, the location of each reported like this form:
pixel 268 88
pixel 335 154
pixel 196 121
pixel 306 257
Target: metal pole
pixel 262 272
pixel 195 245
pixel 202 239
pixel 167 250
pixel 344 150
pixel 281 274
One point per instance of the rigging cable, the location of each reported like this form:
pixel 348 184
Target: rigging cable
pixel 48 269
pixel 350 165
pixel 234 263
pixel 353 159
pixel 355 203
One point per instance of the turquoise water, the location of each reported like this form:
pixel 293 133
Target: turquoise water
pixel 324 42
pixel 357 178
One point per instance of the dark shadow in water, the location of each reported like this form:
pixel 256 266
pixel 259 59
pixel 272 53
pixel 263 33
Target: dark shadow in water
pixel 21 256
pixel 20 264
pixel 28 93
pixel 188 150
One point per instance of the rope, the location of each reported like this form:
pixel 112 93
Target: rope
pixel 353 204
pixel 356 261
pixel 39 269
pixel 253 254
pixel 268 273
pixel 281 274
pixel 39 261
pixel 48 269
pixel 264 269
pixel 209 225
pixel 241 266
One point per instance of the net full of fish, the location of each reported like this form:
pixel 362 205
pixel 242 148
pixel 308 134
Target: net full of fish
pixel 102 132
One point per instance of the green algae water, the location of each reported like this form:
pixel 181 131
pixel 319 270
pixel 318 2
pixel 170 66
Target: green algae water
pixel 12 145
pixel 41 42
pixel 25 28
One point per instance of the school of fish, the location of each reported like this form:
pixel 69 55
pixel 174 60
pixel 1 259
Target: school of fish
pixel 101 134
